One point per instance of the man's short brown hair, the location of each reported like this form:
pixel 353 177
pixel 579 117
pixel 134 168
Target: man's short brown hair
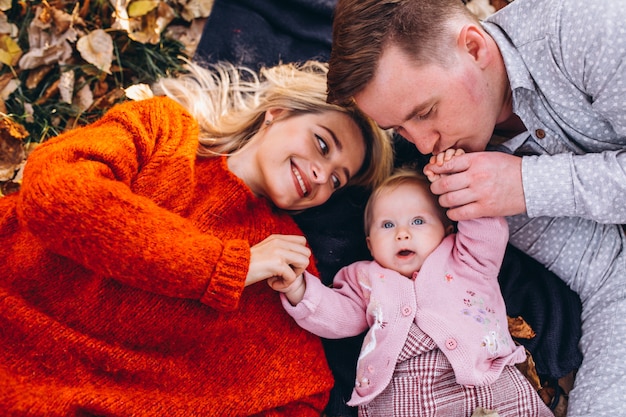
pixel 362 28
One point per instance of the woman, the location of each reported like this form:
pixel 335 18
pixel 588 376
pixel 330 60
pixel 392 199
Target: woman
pixel 132 255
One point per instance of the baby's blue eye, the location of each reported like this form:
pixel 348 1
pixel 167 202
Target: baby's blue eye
pixel 417 221
pixel 387 225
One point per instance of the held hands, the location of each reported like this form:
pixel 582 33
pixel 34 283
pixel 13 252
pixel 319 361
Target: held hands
pixel 439 160
pixel 282 257
pixel 477 184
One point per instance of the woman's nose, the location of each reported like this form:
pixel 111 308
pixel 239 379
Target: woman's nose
pixel 320 173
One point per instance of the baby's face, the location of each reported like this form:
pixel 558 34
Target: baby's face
pixel 405 229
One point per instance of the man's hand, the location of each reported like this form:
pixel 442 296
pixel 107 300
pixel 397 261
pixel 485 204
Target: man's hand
pixel 478 184
pixel 285 256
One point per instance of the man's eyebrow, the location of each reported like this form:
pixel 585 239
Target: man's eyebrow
pixel 339 146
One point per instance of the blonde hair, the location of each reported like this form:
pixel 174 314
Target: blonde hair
pixel 400 176
pixel 229 102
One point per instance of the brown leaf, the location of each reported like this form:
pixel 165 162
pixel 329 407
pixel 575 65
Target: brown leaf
pixel 12 152
pixel 36 75
pixel 529 370
pixel 519 328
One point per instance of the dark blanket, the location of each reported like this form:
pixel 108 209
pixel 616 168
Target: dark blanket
pixel 265 32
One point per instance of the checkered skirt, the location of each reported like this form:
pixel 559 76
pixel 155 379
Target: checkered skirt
pixel 423 385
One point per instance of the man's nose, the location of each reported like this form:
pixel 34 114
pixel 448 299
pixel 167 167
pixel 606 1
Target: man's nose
pixel 424 139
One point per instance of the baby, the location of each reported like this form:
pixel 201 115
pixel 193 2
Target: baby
pixel 438 340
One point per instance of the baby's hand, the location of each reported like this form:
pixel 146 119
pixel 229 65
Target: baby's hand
pixel 439 160
pixel 293 289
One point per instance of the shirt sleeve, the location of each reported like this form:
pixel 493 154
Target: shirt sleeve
pixel 590 186
pixel 593 185
pixel 84 195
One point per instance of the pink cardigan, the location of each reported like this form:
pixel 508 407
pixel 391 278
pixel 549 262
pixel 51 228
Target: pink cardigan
pixel 455 298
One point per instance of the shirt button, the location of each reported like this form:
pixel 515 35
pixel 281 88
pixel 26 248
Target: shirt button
pixel 406 310
pixel 540 133
pixel 451 344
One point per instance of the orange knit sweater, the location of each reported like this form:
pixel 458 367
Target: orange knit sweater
pixel 123 260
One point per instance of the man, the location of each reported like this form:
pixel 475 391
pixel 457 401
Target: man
pixel 545 82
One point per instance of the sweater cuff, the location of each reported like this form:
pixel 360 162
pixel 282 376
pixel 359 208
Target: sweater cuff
pixel 229 278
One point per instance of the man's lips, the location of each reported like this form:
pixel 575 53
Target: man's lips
pixel 300 183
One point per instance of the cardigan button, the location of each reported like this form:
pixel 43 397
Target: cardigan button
pixel 406 310
pixel 451 344
pixel 363 382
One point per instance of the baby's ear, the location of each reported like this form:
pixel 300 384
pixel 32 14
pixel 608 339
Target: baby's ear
pixel 449 229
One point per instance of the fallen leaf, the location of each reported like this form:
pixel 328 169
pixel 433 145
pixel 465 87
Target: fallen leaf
pixel 10 51
pixel 139 92
pixel 66 86
pixel 97 49
pixel 519 328
pixel 141 7
pixel 12 152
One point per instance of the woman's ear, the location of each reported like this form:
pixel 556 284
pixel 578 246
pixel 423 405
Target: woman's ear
pixel 273 113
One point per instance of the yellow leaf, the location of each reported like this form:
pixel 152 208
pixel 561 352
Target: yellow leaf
pixel 142 7
pixel 10 51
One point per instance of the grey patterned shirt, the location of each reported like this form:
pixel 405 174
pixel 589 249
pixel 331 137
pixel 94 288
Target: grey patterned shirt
pixel 566 62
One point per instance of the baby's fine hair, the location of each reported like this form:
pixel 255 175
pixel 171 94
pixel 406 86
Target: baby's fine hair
pixel 229 102
pixel 400 176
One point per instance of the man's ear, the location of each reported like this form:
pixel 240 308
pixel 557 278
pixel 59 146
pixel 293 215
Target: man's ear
pixel 472 41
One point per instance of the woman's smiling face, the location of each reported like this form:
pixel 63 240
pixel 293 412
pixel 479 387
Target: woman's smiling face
pixel 298 161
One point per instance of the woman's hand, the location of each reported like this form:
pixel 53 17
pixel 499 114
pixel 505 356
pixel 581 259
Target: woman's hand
pixel 282 256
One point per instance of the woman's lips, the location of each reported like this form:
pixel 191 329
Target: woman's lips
pixel 300 181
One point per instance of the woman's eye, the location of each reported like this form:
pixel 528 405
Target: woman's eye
pixel 322 143
pixel 336 181
pixel 387 225
pixel 417 221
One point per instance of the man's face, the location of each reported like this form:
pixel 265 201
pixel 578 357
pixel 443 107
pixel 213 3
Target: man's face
pixel 433 107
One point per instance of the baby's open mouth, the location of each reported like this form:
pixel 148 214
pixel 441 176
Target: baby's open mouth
pixel 405 252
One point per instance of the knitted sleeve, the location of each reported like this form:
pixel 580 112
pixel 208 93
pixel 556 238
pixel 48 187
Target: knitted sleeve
pixel 480 244
pixel 108 197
